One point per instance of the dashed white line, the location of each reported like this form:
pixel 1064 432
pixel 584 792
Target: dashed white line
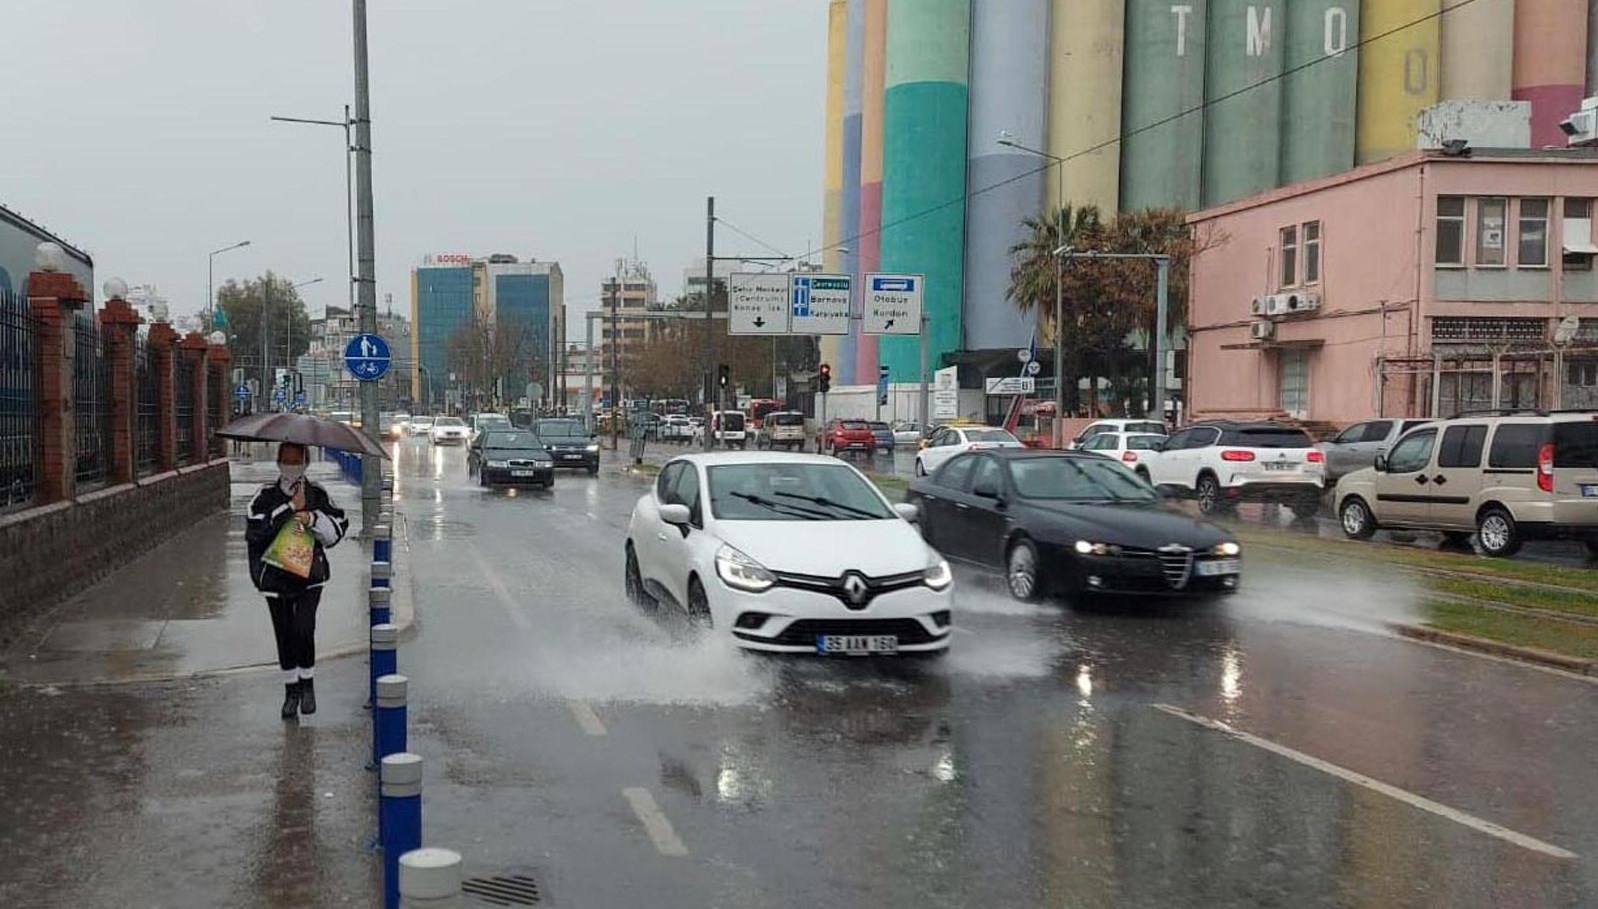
pixel 1359 779
pixel 512 608
pixel 655 823
pixel 586 717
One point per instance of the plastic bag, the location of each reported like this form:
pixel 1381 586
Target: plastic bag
pixel 292 550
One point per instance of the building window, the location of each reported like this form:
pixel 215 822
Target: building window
pixel 1490 232
pixel 1289 256
pixel 1450 230
pixel 1577 241
pixel 1312 251
pixel 1293 382
pixel 1533 233
pixel 1581 373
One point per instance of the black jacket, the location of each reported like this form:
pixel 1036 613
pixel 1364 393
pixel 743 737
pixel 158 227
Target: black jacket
pixel 269 511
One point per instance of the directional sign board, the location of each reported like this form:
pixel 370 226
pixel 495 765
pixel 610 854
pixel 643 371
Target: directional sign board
pixel 820 304
pixel 757 304
pixel 1012 385
pixel 367 357
pixel 892 304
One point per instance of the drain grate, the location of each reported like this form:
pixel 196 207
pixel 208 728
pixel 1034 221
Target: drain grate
pixel 511 889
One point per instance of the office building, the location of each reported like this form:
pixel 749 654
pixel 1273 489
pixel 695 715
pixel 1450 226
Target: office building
pixel 632 290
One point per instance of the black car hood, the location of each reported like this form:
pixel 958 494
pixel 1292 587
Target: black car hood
pixel 515 454
pixel 1147 526
pixel 568 442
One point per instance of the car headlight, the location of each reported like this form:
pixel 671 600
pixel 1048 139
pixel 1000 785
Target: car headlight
pixel 937 575
pixel 1228 548
pixel 1088 547
pixel 498 463
pixel 593 448
pixel 741 572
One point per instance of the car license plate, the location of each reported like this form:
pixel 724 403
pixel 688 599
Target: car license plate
pixel 857 643
pixel 1589 490
pixel 524 473
pixel 1280 465
pixel 571 457
pixel 1216 567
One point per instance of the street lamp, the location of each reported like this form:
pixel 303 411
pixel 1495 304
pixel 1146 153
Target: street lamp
pixel 1008 141
pixel 349 224
pixel 210 281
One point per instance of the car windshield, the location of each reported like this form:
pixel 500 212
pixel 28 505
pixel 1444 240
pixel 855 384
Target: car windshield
pixel 990 435
pixel 1267 437
pixel 793 492
pixel 561 428
pixel 448 421
pixel 1084 479
pixel 520 441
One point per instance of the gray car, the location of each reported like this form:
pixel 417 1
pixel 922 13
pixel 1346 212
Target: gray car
pixel 1356 447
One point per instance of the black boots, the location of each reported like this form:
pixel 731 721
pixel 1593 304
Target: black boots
pixel 307 697
pixel 291 700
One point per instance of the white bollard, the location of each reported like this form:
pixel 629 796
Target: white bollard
pixel 430 879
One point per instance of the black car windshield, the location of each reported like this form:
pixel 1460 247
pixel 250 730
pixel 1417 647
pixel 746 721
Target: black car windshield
pixel 1078 479
pixel 519 441
pixel 793 492
pixel 557 428
pixel 1267 437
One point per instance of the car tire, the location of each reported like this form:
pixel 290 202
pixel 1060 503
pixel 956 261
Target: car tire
pixel 1023 571
pixel 1356 519
pixel 1209 495
pixel 633 579
pixel 698 605
pixel 1497 533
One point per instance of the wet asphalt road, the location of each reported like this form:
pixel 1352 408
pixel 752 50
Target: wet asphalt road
pixel 624 761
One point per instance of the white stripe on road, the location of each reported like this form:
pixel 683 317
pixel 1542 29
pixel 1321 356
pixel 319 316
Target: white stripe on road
pixel 1359 779
pixel 512 608
pixel 655 823
pixel 586 717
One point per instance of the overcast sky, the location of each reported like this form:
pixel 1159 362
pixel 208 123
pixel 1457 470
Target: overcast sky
pixel 556 129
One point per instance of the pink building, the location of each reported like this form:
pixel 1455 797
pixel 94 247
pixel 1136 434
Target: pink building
pixel 1420 286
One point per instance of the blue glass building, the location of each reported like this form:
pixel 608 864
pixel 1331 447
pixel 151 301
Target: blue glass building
pixel 441 303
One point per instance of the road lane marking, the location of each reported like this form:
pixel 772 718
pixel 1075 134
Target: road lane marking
pixel 655 823
pixel 1409 798
pixel 586 717
pixel 512 608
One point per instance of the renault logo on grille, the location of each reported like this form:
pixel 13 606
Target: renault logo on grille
pixel 855 587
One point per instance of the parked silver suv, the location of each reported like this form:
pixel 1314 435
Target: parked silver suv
pixel 1356 447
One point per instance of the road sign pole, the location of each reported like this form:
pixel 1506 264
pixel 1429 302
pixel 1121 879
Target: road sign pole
pixel 712 389
pixel 926 411
pixel 1161 317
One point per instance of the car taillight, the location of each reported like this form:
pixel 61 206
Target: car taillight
pixel 971 447
pixel 1316 457
pixel 1545 467
pixel 1129 456
pixel 1234 454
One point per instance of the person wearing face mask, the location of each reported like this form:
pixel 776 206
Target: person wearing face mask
pixel 291 598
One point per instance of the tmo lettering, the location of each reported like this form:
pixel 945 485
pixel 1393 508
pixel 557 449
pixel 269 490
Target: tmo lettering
pixel 1336 35
pixel 1181 13
pixel 1259 31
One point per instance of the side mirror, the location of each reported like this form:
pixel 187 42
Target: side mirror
pixel 1381 463
pixel 676 514
pixel 987 489
pixel 908 511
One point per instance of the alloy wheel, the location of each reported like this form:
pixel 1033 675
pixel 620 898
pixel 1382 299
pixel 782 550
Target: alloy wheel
pixel 1022 571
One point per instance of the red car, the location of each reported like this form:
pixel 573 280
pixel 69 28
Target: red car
pixel 846 435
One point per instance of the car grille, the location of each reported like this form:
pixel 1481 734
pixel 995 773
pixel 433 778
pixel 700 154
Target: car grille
pixel 1173 564
pixel 803 633
pixel 839 587
pixel 523 463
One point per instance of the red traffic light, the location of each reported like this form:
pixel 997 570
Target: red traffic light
pixel 826 369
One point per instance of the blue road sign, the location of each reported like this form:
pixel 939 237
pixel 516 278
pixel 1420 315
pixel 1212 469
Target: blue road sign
pixel 241 392
pixel 898 283
pixel 801 297
pixel 278 397
pixel 299 398
pixel 366 357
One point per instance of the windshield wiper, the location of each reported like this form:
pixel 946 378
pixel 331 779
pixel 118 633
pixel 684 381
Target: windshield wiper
pixel 782 507
pixel 825 502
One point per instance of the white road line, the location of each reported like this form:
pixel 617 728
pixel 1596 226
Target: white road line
pixel 655 823
pixel 1409 798
pixel 586 717
pixel 512 608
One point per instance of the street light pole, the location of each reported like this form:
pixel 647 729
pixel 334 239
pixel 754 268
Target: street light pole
pixel 371 482
pixel 210 282
pixel 712 386
pixel 1059 277
pixel 349 181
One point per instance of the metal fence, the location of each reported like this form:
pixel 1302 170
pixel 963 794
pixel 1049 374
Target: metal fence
pixel 183 398
pixel 147 410
pixel 19 411
pixel 91 403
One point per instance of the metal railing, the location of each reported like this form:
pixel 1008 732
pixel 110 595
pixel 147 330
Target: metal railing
pixel 147 410
pixel 183 404
pixel 91 403
pixel 19 405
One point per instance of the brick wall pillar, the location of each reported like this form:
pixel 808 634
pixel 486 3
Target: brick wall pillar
pixel 219 360
pixel 119 324
pixel 54 299
pixel 163 356
pixel 194 347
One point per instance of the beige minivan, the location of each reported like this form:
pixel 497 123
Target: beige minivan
pixel 1505 476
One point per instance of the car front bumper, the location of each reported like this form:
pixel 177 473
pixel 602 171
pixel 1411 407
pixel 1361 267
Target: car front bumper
pixel 1146 574
pixel 504 476
pixel 794 618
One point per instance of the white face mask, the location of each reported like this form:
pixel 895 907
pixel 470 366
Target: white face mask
pixel 292 473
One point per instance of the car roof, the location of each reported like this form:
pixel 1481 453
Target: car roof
pixel 718 458
pixel 1011 454
pixel 1244 424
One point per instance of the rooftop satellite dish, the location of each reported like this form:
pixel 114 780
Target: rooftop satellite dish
pixel 1566 332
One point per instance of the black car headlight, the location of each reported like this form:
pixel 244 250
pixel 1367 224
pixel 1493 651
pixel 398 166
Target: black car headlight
pixel 1089 547
pixel 1229 548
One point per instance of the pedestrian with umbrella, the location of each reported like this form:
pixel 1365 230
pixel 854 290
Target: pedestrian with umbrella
pixel 290 524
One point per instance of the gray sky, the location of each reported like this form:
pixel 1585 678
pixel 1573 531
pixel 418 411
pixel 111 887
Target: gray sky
pixel 557 129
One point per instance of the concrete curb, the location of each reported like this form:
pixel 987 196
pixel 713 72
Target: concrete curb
pixel 1490 647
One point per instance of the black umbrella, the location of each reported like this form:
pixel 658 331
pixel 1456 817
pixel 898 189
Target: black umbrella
pixel 302 430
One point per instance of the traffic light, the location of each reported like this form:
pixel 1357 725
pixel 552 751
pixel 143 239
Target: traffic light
pixel 824 379
pixel 723 376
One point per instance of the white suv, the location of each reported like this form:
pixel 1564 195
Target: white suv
pixel 1221 463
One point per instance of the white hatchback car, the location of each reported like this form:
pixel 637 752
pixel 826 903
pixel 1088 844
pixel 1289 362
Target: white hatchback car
pixel 952 440
pixel 791 553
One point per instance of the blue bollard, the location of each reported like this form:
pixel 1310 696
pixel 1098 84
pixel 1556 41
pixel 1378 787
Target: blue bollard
pixel 381 573
pixel 389 720
pixel 383 542
pixel 399 817
pixel 384 661
pixel 377 604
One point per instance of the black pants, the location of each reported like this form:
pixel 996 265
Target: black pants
pixel 294 625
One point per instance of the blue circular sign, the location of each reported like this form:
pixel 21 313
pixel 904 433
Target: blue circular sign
pixel 367 357
pixel 241 392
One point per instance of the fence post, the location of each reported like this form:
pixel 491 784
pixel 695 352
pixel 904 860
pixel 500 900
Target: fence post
pixel 163 363
pixel 390 717
pixel 54 298
pixel 219 358
pixel 194 346
pixel 118 323
pixel 399 817
pixel 430 879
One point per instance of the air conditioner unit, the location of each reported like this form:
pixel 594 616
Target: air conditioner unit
pixel 1276 305
pixel 1262 331
pixel 1257 306
pixel 1303 302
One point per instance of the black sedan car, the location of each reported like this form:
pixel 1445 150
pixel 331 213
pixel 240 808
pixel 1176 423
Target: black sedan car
pixel 569 443
pixel 1070 523
pixel 506 457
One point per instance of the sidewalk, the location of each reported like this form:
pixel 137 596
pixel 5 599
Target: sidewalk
pixel 187 608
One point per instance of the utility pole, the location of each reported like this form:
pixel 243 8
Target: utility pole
pixel 366 270
pixel 266 328
pixel 712 387
pixel 615 362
